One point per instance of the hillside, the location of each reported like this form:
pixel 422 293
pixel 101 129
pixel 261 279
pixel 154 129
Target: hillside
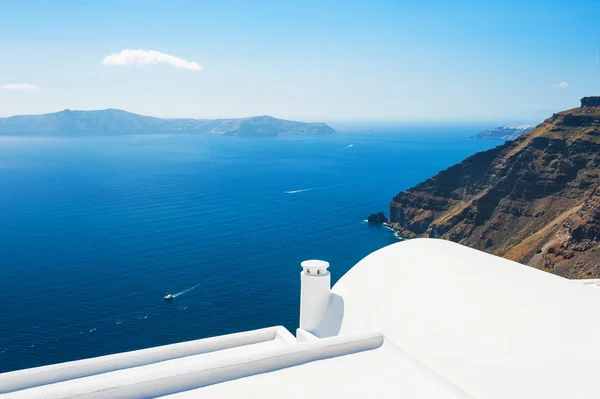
pixel 534 200
pixel 118 122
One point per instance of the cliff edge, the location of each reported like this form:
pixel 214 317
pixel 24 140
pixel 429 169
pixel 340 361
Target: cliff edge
pixel 535 200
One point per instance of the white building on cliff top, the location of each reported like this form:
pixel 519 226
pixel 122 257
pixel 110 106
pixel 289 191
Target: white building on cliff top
pixel 422 318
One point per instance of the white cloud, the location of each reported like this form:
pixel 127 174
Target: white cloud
pixel 20 86
pixel 562 85
pixel 130 57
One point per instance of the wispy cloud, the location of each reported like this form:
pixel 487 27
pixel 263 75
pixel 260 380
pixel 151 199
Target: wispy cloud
pixel 561 85
pixel 20 86
pixel 130 57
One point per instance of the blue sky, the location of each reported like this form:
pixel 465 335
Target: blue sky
pixel 428 61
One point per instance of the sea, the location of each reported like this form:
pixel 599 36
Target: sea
pixel 95 231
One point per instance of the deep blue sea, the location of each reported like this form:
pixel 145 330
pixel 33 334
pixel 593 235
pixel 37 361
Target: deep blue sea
pixel 94 232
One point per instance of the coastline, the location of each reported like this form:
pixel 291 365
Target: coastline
pixel 388 227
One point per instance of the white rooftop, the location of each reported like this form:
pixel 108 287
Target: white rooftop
pixel 423 318
pixel 385 371
pixel 494 327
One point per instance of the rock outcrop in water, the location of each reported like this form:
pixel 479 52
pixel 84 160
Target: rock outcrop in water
pixel 377 218
pixel 535 200
pixel 118 122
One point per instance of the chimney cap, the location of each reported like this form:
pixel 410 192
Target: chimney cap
pixel 314 264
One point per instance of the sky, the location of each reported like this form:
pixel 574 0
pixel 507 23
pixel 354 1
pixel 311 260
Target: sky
pixel 384 61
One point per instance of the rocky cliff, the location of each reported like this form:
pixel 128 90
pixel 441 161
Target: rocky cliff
pixel 535 200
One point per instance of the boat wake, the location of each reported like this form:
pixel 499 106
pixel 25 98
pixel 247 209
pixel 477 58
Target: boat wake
pixel 298 191
pixel 184 291
pixel 350 146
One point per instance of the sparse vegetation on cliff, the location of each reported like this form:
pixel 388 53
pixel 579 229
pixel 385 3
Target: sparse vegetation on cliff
pixel 535 200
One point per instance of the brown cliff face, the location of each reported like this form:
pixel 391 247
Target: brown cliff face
pixel 535 200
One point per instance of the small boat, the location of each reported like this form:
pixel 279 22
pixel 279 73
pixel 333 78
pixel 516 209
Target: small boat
pixel 169 297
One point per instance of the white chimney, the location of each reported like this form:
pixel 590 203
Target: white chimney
pixel 315 293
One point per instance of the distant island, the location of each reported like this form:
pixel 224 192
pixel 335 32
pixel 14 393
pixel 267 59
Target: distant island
pixel 118 122
pixel 510 132
pixel 534 200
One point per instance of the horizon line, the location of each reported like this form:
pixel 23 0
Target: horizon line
pixel 333 120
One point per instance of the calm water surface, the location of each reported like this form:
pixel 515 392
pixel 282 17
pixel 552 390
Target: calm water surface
pixel 94 232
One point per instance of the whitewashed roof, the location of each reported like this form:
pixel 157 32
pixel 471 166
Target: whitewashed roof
pixel 419 319
pixel 495 328
pixel 383 372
